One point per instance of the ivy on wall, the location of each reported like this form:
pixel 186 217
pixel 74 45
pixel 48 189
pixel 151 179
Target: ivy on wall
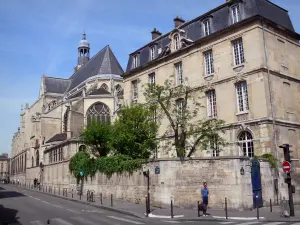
pixel 271 159
pixel 83 162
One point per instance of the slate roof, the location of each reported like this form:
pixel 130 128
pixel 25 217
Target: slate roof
pixel 56 85
pixel 3 157
pixel 99 91
pixel 58 137
pixel 104 62
pixel 220 19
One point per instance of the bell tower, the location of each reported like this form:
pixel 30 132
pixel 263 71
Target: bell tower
pixel 83 52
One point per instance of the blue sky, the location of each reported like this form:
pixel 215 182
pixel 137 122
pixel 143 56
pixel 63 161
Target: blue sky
pixel 41 36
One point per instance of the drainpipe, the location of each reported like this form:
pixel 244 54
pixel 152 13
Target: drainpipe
pixel 271 93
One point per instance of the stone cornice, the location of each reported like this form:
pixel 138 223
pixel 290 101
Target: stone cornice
pixel 20 153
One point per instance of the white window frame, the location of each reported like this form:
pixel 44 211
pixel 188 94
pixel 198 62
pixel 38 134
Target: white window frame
pixel 248 142
pixel 178 73
pixel 206 27
pixel 211 104
pixel 177 44
pixel 135 61
pixel 151 78
pixel 209 62
pixel 238 51
pixel 235 14
pixel 242 97
pixel 134 89
pixel 152 52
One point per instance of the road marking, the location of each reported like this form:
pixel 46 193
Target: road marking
pixel 172 221
pixel 248 223
pixel 61 221
pixel 84 221
pixel 73 211
pixel 36 222
pixel 275 223
pixel 226 222
pixel 56 205
pixel 126 220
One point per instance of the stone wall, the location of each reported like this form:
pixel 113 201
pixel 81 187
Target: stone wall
pixel 182 181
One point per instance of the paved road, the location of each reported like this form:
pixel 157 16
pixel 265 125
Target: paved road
pixel 20 206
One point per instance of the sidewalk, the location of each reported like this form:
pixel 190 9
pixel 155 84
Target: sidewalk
pixel 138 210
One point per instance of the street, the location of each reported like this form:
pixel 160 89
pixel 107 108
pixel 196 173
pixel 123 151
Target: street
pixel 26 207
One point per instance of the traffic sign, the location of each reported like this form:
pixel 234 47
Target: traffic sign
pixel 286 166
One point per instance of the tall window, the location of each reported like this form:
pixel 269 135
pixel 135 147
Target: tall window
pixel 98 112
pixel 66 117
pixel 235 12
pixel 152 52
pixel 206 27
pixel 37 158
pixel 50 157
pixel 179 73
pixel 245 140
pixel 60 154
pixel 238 51
pixel 32 161
pixel 135 61
pixel 55 155
pixel 209 62
pixel 176 42
pixel 211 104
pixel 179 105
pixel 242 96
pixel 151 78
pixel 119 90
pixel 134 88
pixel 214 146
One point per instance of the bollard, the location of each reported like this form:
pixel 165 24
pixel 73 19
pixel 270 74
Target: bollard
pixel 111 200
pixel 58 191
pixel 101 198
pixel 198 207
pixel 92 197
pixel 87 195
pixel 270 205
pixel 66 192
pixel 54 191
pixel 172 214
pixel 72 193
pixel 226 212
pixel 257 208
pixel 147 215
pixel 80 195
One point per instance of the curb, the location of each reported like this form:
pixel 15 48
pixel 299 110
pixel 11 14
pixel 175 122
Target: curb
pixel 92 204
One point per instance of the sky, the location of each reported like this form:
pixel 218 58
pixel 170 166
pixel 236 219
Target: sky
pixel 42 36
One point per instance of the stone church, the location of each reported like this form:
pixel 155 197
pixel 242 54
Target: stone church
pixel 49 128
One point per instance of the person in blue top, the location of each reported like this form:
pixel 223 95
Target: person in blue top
pixel 205 193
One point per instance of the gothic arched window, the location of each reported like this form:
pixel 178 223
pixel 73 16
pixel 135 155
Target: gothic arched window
pixel 82 148
pixel 98 112
pixel 246 142
pixel 37 158
pixel 119 90
pixel 104 86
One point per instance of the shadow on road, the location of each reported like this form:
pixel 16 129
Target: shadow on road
pixel 10 194
pixel 8 216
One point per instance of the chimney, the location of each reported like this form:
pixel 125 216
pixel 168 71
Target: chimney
pixel 178 21
pixel 155 34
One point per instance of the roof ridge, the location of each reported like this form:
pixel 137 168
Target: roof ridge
pixel 58 78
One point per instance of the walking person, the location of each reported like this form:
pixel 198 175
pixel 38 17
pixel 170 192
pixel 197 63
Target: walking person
pixel 205 193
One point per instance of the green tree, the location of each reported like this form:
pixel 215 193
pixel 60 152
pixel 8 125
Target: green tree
pixel 180 106
pixel 134 132
pixel 98 137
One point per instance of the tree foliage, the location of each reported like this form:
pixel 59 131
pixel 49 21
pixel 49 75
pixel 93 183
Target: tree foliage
pixel 134 132
pixel 98 137
pixel 180 105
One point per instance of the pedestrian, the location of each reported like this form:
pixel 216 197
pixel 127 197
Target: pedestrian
pixel 205 193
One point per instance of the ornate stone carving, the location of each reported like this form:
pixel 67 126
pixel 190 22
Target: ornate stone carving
pixel 209 86
pixel 239 78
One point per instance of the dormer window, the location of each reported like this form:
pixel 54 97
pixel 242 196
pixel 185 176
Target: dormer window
pixel 176 42
pixel 235 13
pixel 152 52
pixel 135 61
pixel 206 27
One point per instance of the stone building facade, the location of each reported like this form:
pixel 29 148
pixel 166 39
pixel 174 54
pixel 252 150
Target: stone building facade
pixel 4 166
pixel 245 54
pixel 49 129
